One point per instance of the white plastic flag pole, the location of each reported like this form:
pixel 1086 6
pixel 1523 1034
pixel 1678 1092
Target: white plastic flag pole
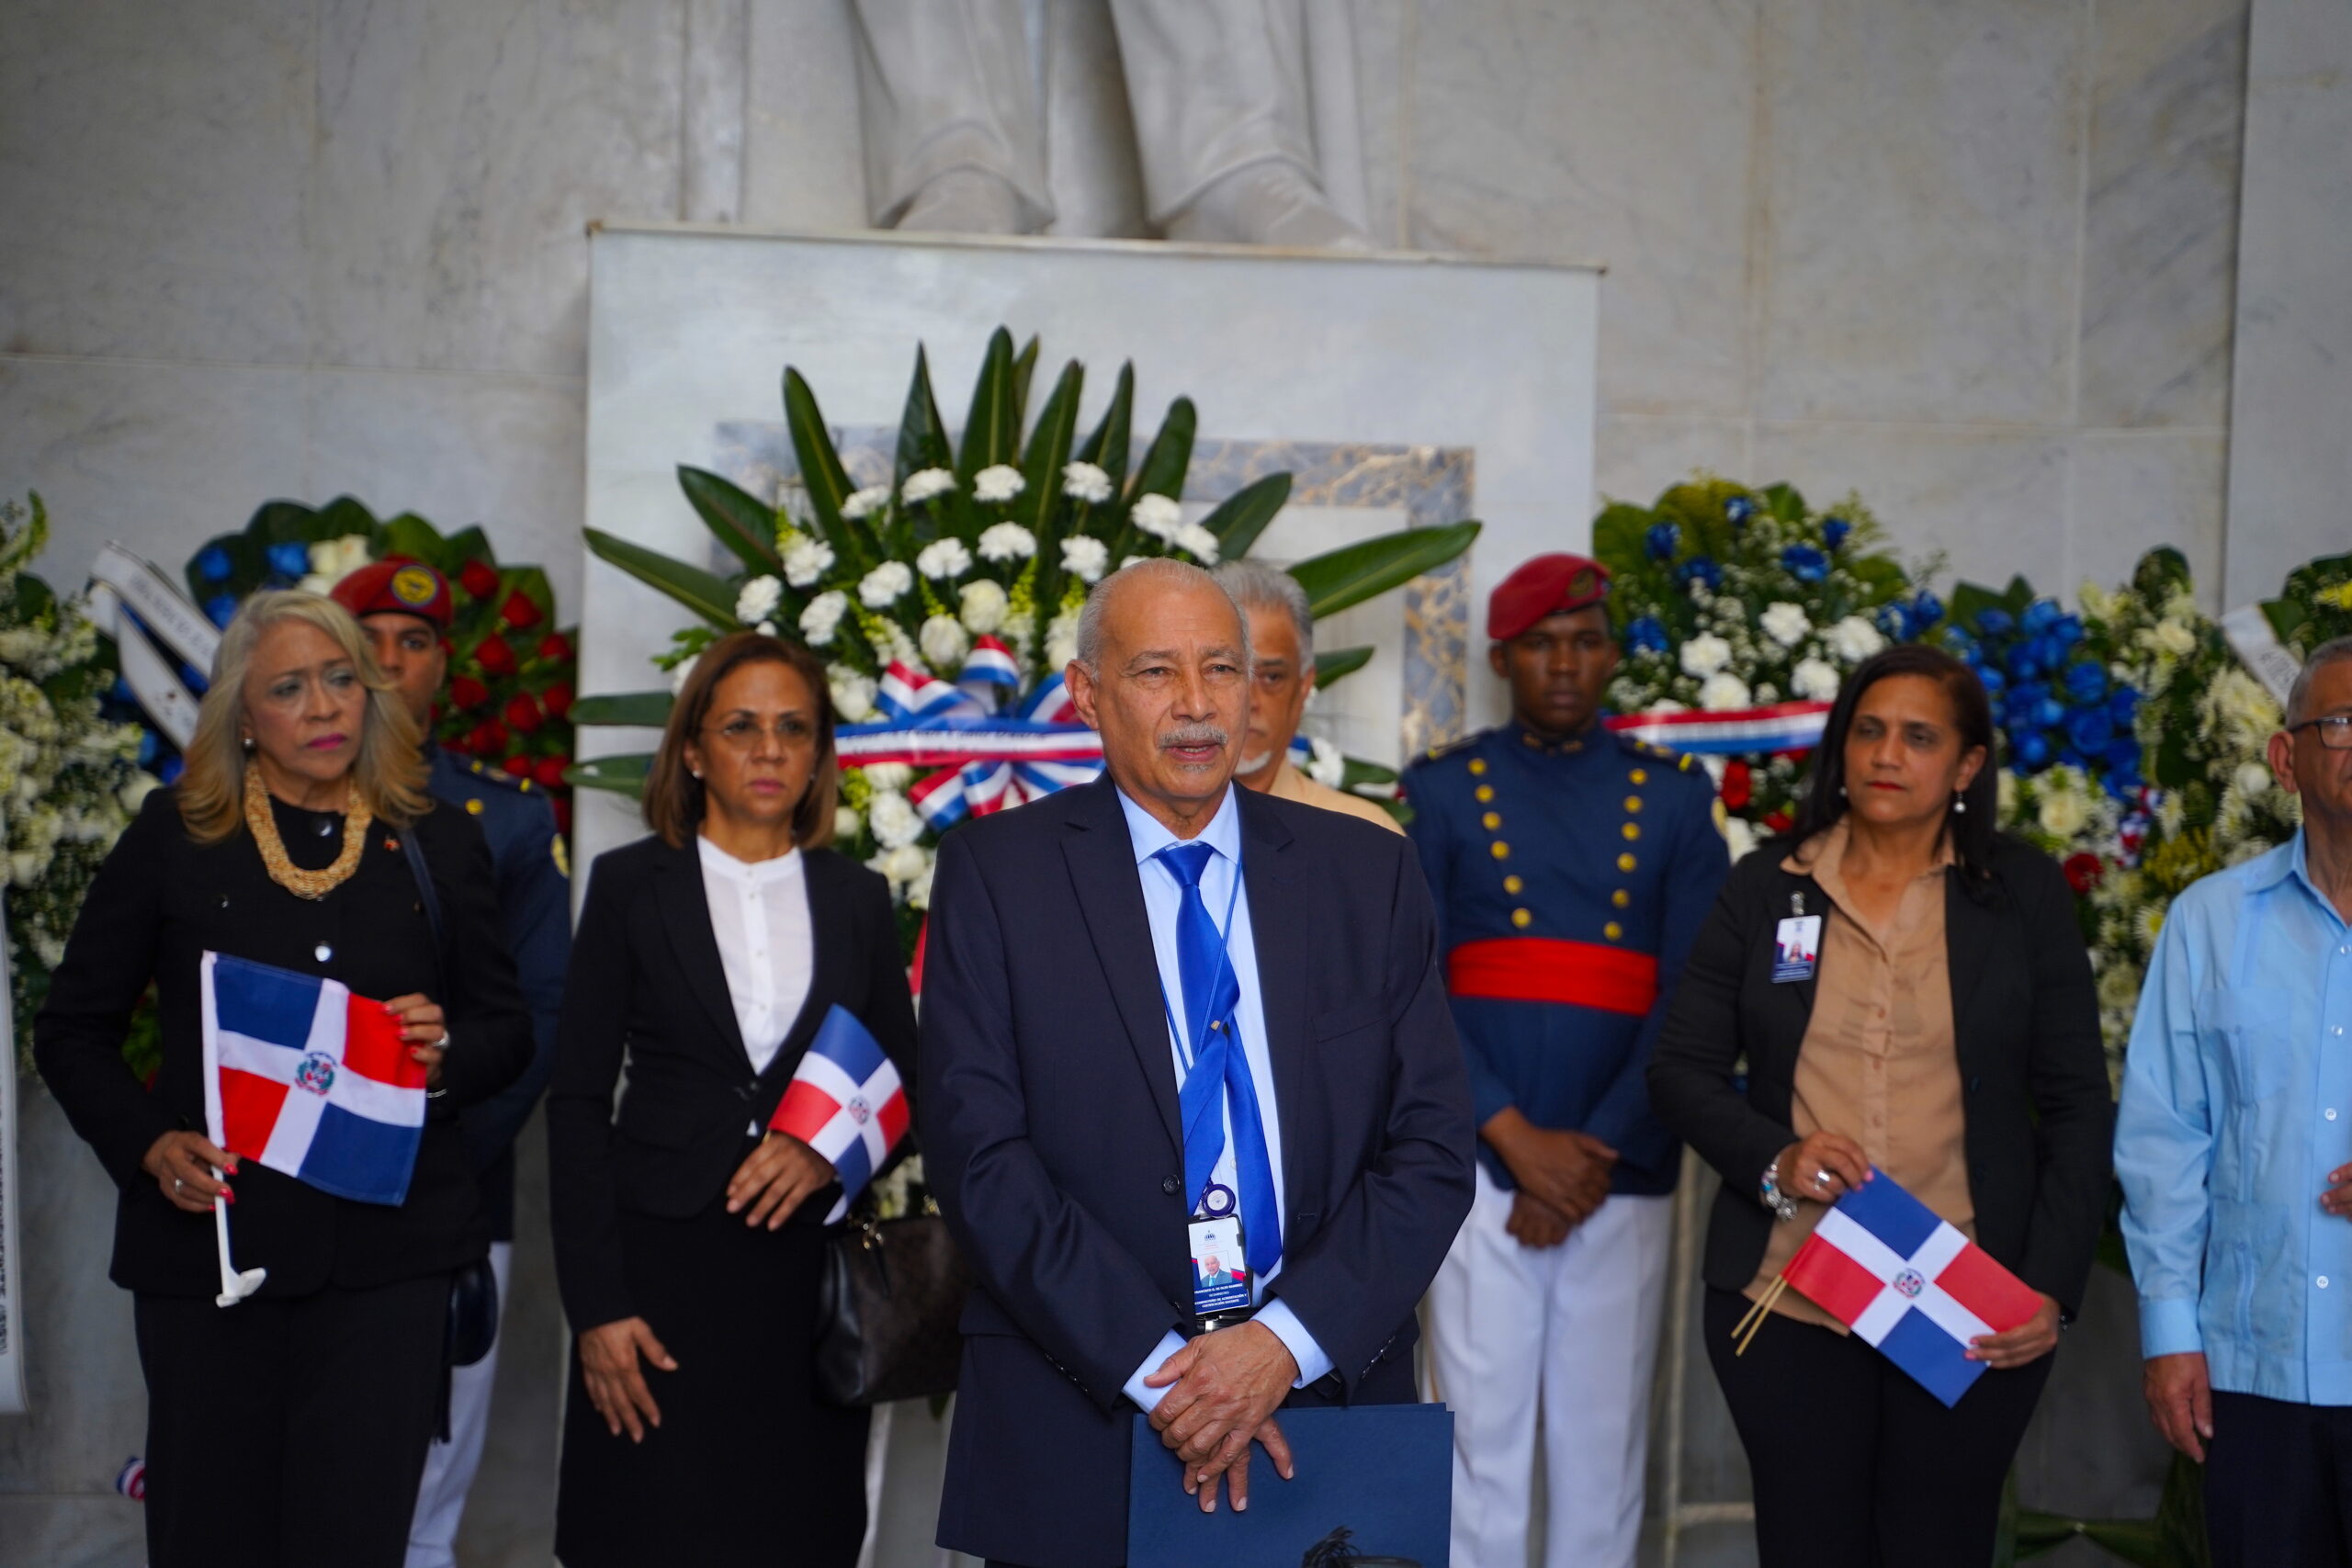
pixel 235 1287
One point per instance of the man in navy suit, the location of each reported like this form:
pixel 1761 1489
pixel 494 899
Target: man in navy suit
pixel 1151 1002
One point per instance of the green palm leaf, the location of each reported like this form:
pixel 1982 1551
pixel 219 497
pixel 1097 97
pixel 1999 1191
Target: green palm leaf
pixel 622 775
pixel 1106 449
pixel 705 592
pixel 1243 515
pixel 1171 453
pixel 1362 571
pixel 821 469
pixel 744 523
pixel 1329 667
pixel 1025 365
pixel 923 436
pixel 993 427
pixel 649 710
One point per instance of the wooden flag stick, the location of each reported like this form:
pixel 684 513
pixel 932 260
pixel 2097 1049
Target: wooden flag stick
pixel 1763 1310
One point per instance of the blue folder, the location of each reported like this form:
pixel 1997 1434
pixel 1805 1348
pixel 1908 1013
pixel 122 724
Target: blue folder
pixel 1385 1472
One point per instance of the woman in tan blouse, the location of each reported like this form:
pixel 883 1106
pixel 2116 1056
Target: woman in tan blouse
pixel 1947 1035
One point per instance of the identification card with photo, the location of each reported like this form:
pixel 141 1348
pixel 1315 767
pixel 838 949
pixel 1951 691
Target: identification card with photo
pixel 1796 949
pixel 1220 1274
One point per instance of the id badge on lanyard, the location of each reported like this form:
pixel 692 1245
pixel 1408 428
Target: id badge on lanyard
pixel 1213 1234
pixel 1796 944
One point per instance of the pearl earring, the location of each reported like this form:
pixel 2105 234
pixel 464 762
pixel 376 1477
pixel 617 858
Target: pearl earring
pixel 249 743
pixel 1958 803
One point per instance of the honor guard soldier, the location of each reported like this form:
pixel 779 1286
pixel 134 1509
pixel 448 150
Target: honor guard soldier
pixel 1571 871
pixel 404 608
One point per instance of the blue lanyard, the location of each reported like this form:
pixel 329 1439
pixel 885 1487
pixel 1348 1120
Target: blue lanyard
pixel 1185 1047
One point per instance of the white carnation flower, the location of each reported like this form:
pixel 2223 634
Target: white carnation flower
pixel 1722 692
pixel 141 785
pixel 847 823
pixel 1157 516
pixel 925 484
pixel 758 599
pixel 1061 639
pixel 943 560
pixel 1739 835
pixel 2062 813
pixel 806 560
pixel 2171 637
pixel 2005 794
pixel 1853 639
pixel 1007 541
pixel 1085 558
pixel 998 482
pixel 1814 679
pixel 919 898
pixel 904 862
pixel 885 777
pixel 1704 655
pixel 1784 623
pixel 2252 778
pixel 944 643
pixel 884 585
pixel 1084 481
pixel 336 558
pixel 1198 543
pixel 864 502
pixel 1326 764
pixel 894 821
pixel 823 615
pixel 983 607
pixel 683 672
pixel 853 694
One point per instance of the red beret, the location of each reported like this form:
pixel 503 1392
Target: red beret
pixel 1548 585
pixel 398 585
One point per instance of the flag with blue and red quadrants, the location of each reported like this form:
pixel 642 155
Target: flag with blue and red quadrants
pixel 844 1102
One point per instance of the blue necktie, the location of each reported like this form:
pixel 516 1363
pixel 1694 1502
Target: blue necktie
pixel 1220 1068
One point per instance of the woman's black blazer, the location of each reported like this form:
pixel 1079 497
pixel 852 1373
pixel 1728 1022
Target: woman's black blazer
pixel 158 904
pixel 2025 1020
pixel 646 983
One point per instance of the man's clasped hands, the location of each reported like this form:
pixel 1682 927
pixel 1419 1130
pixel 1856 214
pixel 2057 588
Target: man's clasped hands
pixel 1223 1389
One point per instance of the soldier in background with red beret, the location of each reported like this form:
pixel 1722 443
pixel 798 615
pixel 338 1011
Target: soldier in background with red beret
pixel 1571 871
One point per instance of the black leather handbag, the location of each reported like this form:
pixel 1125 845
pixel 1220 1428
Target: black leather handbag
pixel 892 1294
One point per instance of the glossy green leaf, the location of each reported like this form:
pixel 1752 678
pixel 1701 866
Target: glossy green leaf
pixel 822 473
pixel 649 710
pixel 1618 537
pixel 1106 449
pixel 1024 367
pixel 705 592
pixel 1362 571
pixel 1241 517
pixel 744 524
pixel 922 435
pixel 1049 444
pixel 1331 665
pixel 993 428
pixel 622 775
pixel 1171 453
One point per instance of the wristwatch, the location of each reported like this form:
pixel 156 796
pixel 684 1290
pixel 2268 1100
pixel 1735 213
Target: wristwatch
pixel 1783 1207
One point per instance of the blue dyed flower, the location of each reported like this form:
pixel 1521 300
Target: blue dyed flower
pixel 1895 621
pixel 2089 730
pixel 1833 531
pixel 2122 764
pixel 1739 509
pixel 2069 630
pixel 2049 713
pixel 289 559
pixel 147 747
pixel 2040 616
pixel 222 608
pixel 1805 563
pixel 1994 623
pixel 2086 681
pixel 122 691
pixel 213 565
pixel 2029 749
pixel 1700 568
pixel 1646 634
pixel 172 769
pixel 1992 679
pixel 1926 609
pixel 2123 706
pixel 1662 540
pixel 2023 663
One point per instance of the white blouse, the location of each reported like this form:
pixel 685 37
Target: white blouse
pixel 759 912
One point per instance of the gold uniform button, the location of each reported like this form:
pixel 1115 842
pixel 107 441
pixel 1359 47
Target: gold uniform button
pixel 1639 775
pixel 1633 804
pixel 1512 884
pixel 1613 930
pixel 1632 831
pixel 473 808
pixel 1626 861
pixel 1484 792
pixel 1521 919
pixel 1477 764
pixel 1621 897
pixel 1499 850
pixel 1492 819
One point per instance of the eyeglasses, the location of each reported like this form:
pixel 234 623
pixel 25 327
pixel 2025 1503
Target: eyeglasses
pixel 2334 731
pixel 742 732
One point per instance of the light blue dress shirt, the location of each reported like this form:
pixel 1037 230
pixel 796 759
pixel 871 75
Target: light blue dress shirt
pixel 2237 1103
pixel 1162 898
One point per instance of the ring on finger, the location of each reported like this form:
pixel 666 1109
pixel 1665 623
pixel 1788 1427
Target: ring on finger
pixel 178 1184
pixel 1821 1178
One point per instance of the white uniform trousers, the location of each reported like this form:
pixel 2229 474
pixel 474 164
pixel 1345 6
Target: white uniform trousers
pixel 449 1467
pixel 1574 1326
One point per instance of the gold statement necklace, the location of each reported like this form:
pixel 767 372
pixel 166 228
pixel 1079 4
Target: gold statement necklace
pixel 284 872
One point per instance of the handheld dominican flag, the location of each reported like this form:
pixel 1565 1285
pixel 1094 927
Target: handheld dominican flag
pixel 844 1102
pixel 306 1078
pixel 1881 1263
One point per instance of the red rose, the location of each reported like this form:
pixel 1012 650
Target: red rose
pixel 555 647
pixel 468 693
pixel 2083 871
pixel 523 713
pixel 557 700
pixel 518 765
pixel 488 739
pixel 564 814
pixel 547 771
pixel 494 655
pixel 477 578
pixel 1780 822
pixel 1740 786
pixel 518 611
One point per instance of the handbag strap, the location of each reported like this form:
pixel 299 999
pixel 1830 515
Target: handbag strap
pixel 414 853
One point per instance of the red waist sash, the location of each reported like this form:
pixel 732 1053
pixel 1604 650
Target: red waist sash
pixel 1545 969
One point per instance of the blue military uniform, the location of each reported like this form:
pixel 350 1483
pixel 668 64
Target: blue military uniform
pixel 535 900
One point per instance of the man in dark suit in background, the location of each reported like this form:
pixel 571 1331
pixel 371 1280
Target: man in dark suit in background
pixel 1152 999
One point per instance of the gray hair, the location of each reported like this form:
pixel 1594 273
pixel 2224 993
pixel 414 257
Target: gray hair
pixel 1257 586
pixel 1165 569
pixel 2336 650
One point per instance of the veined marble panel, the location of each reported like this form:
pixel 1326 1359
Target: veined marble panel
pixel 803 166
pixel 153 164
pixel 1992 503
pixel 507 452
pixel 1615 130
pixel 2136 490
pixel 158 457
pixel 464 146
pixel 1636 455
pixel 1921 192
pixel 2160 229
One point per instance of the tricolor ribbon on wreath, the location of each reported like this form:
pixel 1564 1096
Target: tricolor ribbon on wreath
pixel 164 642
pixel 1738 732
pixel 985 762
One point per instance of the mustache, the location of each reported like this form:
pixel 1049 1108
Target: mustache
pixel 1193 735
